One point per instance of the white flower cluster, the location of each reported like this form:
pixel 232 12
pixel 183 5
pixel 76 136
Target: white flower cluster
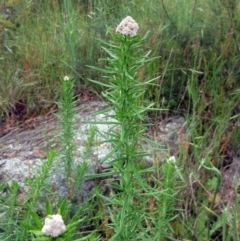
pixel 128 26
pixel 54 226
pixel 66 78
pixel 171 159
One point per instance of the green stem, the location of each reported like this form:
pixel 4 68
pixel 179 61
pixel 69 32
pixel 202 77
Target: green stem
pixel 219 179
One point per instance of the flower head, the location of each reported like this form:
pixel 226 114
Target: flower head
pixel 128 26
pixel 54 226
pixel 66 78
pixel 171 159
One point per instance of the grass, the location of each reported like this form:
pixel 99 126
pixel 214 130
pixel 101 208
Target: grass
pixel 196 75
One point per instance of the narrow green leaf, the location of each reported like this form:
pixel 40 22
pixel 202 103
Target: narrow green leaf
pixel 128 75
pixel 35 217
pixel 102 122
pixel 43 238
pixel 108 44
pixel 111 153
pixel 63 206
pixel 48 207
pixel 36 232
pixel 28 226
pixel 88 238
pixel 145 36
pixel 72 226
pixel 107 70
pixel 99 83
pixel 102 174
pixel 110 53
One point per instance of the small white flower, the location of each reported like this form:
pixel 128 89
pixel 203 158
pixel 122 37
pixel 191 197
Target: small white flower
pixel 128 26
pixel 171 159
pixel 66 78
pixel 54 226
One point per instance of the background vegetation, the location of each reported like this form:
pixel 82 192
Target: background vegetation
pixel 198 44
pixel 188 35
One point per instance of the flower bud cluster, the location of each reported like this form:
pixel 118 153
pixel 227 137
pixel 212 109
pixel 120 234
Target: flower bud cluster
pixel 66 78
pixel 172 159
pixel 54 226
pixel 128 26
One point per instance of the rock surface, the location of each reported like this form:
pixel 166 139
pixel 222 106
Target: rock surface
pixel 23 152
